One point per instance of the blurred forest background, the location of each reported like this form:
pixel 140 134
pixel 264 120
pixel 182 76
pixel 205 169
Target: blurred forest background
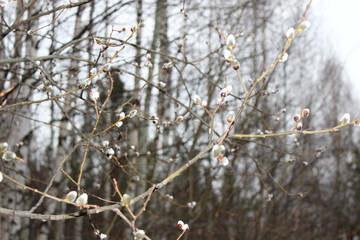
pixel 284 187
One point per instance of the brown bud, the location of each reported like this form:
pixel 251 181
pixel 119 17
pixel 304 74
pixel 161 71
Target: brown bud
pixel 297 117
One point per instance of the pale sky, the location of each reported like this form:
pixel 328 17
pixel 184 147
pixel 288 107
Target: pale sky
pixel 341 21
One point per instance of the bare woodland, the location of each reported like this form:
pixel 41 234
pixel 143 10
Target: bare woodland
pixel 134 119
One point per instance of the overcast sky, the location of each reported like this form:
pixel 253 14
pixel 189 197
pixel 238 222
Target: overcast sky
pixel 341 20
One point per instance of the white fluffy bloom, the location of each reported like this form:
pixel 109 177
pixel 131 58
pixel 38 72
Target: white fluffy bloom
pixel 204 104
pixel 345 118
pixel 132 113
pixel 284 57
pixel 103 236
pixel 216 150
pixel 185 227
pixel 224 161
pixel 230 42
pixel 228 55
pixel 197 99
pixel 4 146
pixel 305 25
pixel 71 196
pixel 167 65
pixel 226 91
pixel 162 84
pixel 8 156
pixel 105 143
pixel 180 224
pixel 93 71
pixel 110 152
pixel 180 118
pixel 139 234
pixel 290 34
pixel 191 204
pixel 121 115
pixel 119 124
pixel 83 199
pixel 94 95
pixel 305 112
pixel 230 116
pixel 126 199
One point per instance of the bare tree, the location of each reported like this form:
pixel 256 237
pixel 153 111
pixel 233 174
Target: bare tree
pixel 128 116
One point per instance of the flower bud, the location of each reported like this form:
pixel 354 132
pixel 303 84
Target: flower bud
pixel 94 95
pixel 121 115
pixel 223 161
pixel 1 177
pixel 226 91
pixel 149 65
pixel 139 234
pixel 230 42
pixel 197 99
pixel 126 199
pixel 71 196
pixel 180 224
pixel 8 156
pixel 217 150
pixel 185 228
pixel 228 56
pixel 119 124
pixel 235 64
pixel 230 116
pixel 204 104
pixel 304 25
pixel 109 152
pixel 290 34
pixel 305 113
pixel 297 117
pixel 191 204
pixel 83 199
pixel 84 83
pixel 284 57
pixel 298 126
pixel 162 84
pixel 222 148
pixel 93 71
pixel 4 146
pixel 104 144
pixel 167 66
pixel 132 113
pixel 345 118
